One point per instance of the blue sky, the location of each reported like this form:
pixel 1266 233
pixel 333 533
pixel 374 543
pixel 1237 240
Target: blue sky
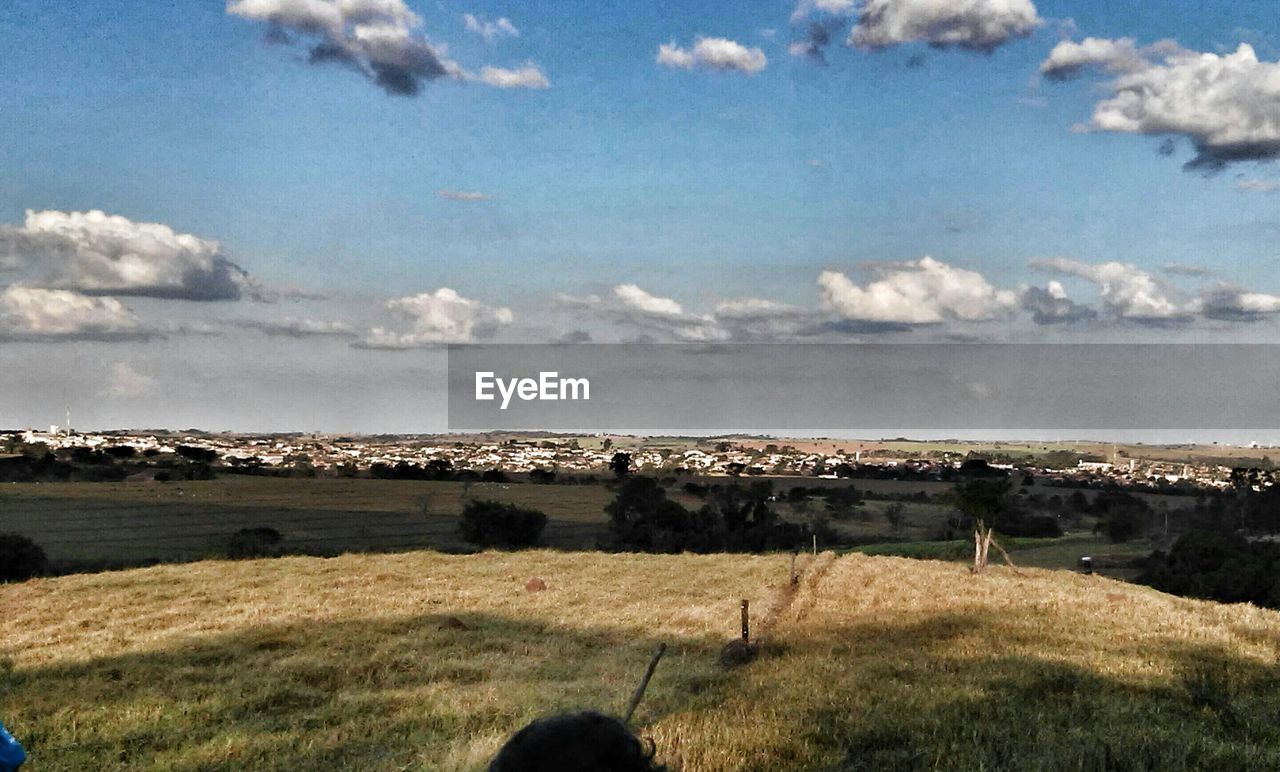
pixel 698 186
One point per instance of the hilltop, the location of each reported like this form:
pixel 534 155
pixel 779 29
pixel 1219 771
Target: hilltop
pixel 427 661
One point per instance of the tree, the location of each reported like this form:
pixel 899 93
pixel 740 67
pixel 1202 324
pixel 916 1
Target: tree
pixel 641 516
pixel 620 464
pixel 985 503
pixel 842 502
pixel 494 524
pixel 895 513
pixel 260 542
pixel 20 558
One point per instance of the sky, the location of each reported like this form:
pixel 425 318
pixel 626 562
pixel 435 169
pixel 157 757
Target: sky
pixel 272 214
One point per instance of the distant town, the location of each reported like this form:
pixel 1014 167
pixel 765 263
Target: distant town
pixel 1161 468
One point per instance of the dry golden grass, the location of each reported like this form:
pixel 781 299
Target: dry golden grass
pixel 875 663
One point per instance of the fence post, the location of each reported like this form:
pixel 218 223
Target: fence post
pixel 746 622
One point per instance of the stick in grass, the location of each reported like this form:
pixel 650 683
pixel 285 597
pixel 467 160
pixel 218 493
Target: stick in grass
pixel 644 683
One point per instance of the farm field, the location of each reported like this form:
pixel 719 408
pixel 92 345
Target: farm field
pixel 426 661
pixel 92 525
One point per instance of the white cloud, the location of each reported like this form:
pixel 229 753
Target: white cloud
pixel 673 55
pixel 1050 305
pixel 756 319
pixel 37 314
pixel 96 253
pixel 528 76
pixel 1258 186
pixel 713 54
pixel 490 30
pixel 1068 57
pixel 926 291
pixel 381 39
pixel 632 306
pixel 298 328
pixel 1227 105
pixel 1230 303
pixel 636 299
pixel 124 381
pixel 980 25
pixel 806 8
pixel 440 317
pixel 464 195
pixel 1127 291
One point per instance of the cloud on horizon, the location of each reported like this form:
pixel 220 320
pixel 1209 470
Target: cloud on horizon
pixel 437 318
pixel 99 254
pixel 1127 291
pixel 34 314
pixel 926 291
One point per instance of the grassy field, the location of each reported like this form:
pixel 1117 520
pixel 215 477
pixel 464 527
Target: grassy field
pixel 91 525
pixel 875 663
pixel 190 520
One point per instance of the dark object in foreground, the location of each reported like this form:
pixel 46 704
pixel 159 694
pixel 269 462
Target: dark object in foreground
pixel 736 653
pixel 575 742
pixel 20 558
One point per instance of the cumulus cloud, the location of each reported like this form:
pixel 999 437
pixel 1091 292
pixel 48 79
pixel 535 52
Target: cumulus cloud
pixel 124 381
pixel 755 319
pixel 297 328
pixel 1069 58
pixel 1230 303
pixel 632 306
pixel 490 30
pixel 528 76
pixel 381 39
pixel 719 54
pixel 1227 105
pixel 977 25
pixel 926 291
pixel 438 317
pixel 1050 305
pixel 100 254
pixel 38 314
pixel 1127 291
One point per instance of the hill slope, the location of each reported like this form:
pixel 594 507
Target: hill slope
pixel 358 662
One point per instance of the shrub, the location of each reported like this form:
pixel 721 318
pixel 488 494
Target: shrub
pixel 255 543
pixel 494 524
pixel 20 558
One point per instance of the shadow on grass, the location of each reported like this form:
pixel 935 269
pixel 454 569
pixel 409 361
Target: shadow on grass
pixel 441 690
pixel 352 694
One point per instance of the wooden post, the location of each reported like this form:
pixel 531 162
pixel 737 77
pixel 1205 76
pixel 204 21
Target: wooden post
pixel 746 622
pixel 795 578
pixel 644 683
pixel 815 545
